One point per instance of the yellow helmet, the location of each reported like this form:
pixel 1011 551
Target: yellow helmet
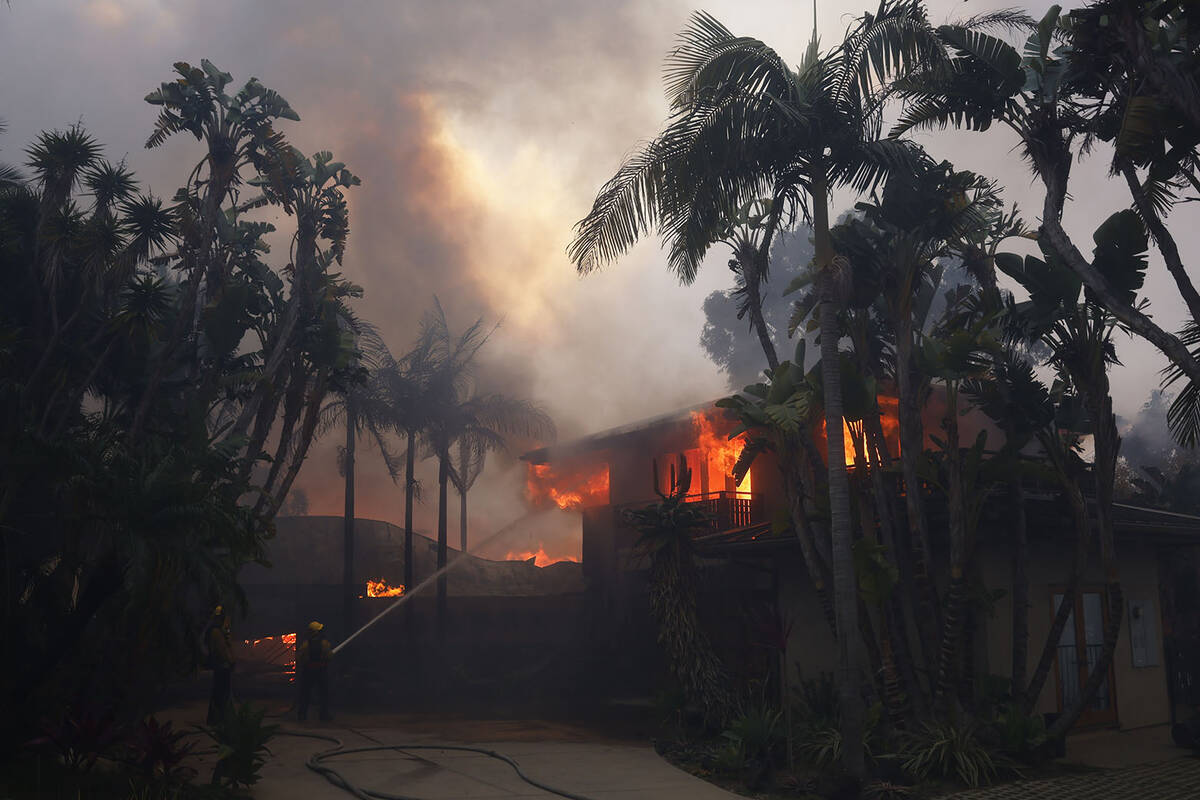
pixel 219 611
pixel 315 626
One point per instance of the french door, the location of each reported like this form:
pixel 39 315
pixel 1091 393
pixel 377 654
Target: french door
pixel 1078 650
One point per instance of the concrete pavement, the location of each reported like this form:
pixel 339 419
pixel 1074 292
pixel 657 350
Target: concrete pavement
pixel 596 770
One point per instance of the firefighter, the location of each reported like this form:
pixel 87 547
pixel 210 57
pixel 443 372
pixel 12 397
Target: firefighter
pixel 219 649
pixel 312 660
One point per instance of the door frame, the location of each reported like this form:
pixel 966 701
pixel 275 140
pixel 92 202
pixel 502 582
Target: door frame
pixel 1089 718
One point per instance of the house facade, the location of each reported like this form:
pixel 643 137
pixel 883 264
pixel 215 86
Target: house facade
pixel 753 569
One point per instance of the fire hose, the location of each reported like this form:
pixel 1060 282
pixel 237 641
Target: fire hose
pixel 315 763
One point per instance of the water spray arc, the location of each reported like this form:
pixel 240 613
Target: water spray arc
pixel 433 578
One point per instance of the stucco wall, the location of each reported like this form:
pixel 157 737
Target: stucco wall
pixel 811 646
pixel 1140 692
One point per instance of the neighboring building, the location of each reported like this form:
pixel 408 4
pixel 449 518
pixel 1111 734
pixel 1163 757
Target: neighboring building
pixel 753 569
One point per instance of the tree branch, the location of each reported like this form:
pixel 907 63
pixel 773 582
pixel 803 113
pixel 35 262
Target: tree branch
pixel 1053 234
pixel 1163 238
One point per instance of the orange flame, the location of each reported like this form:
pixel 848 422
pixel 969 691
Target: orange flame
pixel 717 456
pixel 540 557
pixel 889 420
pixel 568 488
pixel 380 588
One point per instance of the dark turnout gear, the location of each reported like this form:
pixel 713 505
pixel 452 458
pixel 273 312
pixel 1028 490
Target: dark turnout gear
pixel 219 649
pixel 312 662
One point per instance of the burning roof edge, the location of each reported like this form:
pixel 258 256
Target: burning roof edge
pixel 600 439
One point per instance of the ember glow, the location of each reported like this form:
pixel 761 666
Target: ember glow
pixel 277 651
pixel 569 489
pixel 540 557
pixel 380 588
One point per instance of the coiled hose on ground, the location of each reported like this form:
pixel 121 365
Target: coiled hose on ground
pixel 315 763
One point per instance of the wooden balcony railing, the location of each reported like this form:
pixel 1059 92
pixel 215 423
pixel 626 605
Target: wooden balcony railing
pixel 726 510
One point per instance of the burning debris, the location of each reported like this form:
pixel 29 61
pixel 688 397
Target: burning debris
pixel 379 588
pixel 270 653
pixel 568 488
pixel 540 557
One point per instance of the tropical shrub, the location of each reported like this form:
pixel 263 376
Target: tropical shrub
pixel 757 734
pixel 241 739
pixel 157 750
pixel 949 750
pixel 81 738
pixel 1020 735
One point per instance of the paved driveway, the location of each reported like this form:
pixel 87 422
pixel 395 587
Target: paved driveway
pixel 596 770
pixel 1178 779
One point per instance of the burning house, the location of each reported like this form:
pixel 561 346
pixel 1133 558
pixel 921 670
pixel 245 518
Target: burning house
pixel 754 573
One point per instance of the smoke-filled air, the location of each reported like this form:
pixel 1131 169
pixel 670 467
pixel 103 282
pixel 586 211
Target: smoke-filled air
pixel 597 399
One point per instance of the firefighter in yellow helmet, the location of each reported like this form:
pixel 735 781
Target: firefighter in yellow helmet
pixel 218 648
pixel 312 662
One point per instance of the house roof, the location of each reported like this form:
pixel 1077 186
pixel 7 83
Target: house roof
pixel 605 438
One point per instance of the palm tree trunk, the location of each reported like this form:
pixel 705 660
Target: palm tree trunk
pixel 462 495
pixel 409 466
pixel 348 587
pixel 949 654
pixel 845 585
pixel 911 447
pixel 1020 591
pixel 443 482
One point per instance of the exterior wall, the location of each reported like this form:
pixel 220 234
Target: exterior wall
pixel 811 646
pixel 1140 692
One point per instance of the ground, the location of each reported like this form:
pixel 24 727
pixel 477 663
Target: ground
pixel 1172 780
pixel 605 764
pixel 570 758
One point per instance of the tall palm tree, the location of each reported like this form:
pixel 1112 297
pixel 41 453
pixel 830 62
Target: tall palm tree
pixel 444 387
pixel 487 422
pixel 360 407
pixel 745 124
pixel 457 414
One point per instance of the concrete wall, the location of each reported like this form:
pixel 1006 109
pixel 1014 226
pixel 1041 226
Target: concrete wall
pixel 1140 692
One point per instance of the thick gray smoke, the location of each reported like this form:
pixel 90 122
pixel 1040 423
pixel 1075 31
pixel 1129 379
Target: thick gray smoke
pixel 481 131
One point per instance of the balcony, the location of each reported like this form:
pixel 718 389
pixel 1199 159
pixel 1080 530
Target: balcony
pixel 726 510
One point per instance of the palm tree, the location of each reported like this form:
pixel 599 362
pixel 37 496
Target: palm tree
pixel 456 414
pixel 921 216
pixel 486 424
pixel 408 387
pixel 361 407
pixel 442 414
pixel 746 122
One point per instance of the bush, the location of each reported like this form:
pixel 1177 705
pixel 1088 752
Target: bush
pixel 947 750
pixel 80 738
pixel 817 702
pixel 1020 736
pixel 758 733
pixel 886 790
pixel 241 746
pixel 157 751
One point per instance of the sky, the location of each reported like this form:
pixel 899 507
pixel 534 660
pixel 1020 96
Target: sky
pixel 481 131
